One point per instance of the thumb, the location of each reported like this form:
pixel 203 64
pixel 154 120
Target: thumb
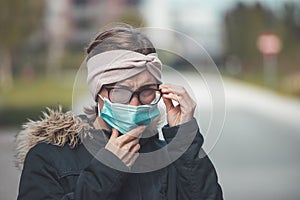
pixel 114 133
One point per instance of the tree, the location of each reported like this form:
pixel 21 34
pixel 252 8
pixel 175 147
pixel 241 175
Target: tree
pixel 18 19
pixel 243 25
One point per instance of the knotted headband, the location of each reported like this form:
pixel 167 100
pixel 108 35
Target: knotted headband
pixel 118 65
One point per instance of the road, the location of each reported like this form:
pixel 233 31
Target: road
pixel 256 155
pixel 9 174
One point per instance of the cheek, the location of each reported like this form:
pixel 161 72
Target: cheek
pixel 100 104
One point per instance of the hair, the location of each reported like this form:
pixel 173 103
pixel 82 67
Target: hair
pixel 116 38
pixel 119 37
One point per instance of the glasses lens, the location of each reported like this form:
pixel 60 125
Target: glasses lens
pixel 146 96
pixel 120 95
pixel 150 96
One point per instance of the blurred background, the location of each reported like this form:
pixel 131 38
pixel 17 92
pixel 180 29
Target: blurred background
pixel 255 45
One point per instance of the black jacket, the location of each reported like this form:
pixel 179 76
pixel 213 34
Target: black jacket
pixel 63 172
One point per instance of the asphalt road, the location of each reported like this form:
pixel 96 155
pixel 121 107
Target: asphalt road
pixel 9 174
pixel 258 158
pixel 256 155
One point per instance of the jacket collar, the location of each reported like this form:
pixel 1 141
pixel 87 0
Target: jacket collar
pixel 59 128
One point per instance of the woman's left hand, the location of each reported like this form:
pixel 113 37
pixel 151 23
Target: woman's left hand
pixel 184 111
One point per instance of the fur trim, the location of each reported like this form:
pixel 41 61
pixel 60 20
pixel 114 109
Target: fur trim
pixel 55 127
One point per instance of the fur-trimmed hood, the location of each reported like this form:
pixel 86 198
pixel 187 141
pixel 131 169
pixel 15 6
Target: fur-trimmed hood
pixel 55 127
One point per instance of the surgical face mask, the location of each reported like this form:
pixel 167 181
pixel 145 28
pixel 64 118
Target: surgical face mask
pixel 127 117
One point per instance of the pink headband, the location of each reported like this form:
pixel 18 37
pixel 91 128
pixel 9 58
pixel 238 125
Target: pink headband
pixel 118 65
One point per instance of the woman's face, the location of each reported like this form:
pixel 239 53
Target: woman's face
pixel 137 82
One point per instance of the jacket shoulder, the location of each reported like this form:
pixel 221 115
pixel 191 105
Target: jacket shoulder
pixel 55 127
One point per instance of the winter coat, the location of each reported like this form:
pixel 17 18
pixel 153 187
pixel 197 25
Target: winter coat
pixel 56 165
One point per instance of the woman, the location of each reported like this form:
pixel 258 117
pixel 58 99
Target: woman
pixel 75 157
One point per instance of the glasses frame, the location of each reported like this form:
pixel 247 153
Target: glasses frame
pixel 137 92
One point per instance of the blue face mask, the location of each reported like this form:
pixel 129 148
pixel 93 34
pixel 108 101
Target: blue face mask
pixel 126 117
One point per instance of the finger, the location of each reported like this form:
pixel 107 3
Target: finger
pixel 168 103
pixel 171 93
pixel 172 96
pixel 178 94
pixel 114 133
pixel 130 158
pixel 136 132
pixel 129 145
pixel 136 148
pixel 186 105
pixel 114 149
pixel 168 85
pixel 131 135
pixel 175 89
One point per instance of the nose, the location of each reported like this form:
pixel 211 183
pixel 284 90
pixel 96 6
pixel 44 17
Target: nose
pixel 134 100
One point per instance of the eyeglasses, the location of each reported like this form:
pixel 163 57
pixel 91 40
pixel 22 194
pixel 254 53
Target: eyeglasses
pixel 146 95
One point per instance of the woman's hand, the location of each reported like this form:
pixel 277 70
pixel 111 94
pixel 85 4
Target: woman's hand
pixel 126 146
pixel 184 111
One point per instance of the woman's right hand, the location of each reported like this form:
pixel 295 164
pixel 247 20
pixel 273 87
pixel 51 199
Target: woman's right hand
pixel 126 146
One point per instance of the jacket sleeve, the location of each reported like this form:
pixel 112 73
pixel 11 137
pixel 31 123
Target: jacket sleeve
pixel 194 173
pixel 39 179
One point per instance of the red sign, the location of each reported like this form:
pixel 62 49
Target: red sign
pixel 269 44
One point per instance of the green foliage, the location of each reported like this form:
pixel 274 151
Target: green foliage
pixel 72 59
pixel 28 98
pixel 17 20
pixel 132 17
pixel 290 29
pixel 38 92
pixel 242 26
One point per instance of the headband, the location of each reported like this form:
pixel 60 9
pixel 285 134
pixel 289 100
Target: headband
pixel 118 65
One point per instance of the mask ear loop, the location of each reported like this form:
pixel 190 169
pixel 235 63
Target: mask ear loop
pixel 98 105
pixel 100 97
